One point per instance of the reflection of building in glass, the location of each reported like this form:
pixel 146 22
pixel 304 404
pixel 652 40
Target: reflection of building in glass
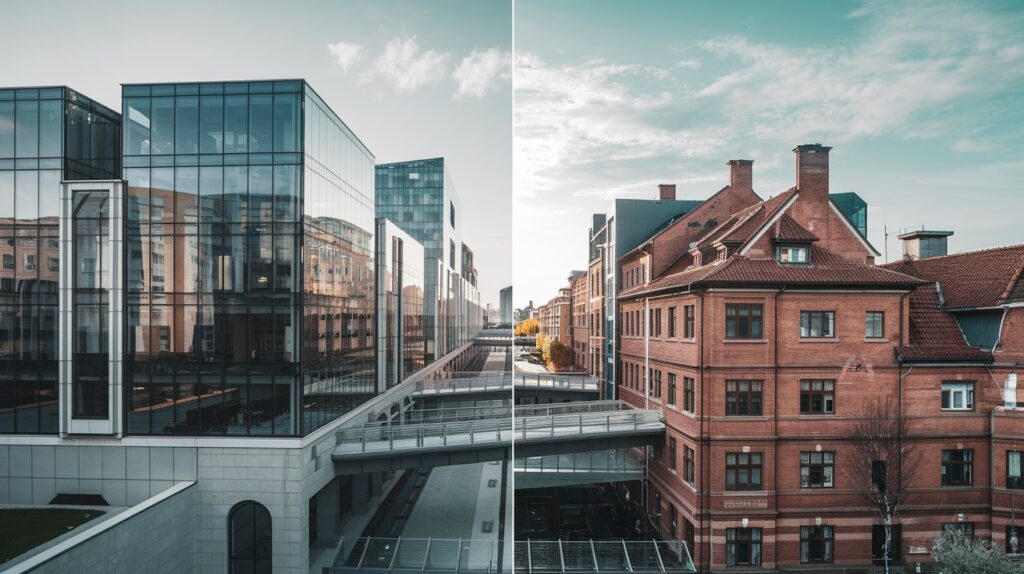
pixel 46 135
pixel 419 197
pixel 400 344
pixel 228 333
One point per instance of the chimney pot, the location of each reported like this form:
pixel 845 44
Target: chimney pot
pixel 667 191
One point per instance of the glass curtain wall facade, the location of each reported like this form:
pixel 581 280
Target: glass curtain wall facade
pixel 46 135
pixel 419 197
pixel 400 343
pixel 412 195
pixel 219 175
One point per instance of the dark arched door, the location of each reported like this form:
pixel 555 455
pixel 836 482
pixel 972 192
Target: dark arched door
pixel 249 539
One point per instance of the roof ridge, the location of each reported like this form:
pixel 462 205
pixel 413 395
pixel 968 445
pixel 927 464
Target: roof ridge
pixel 986 250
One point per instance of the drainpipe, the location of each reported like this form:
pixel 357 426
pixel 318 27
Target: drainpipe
pixel 647 352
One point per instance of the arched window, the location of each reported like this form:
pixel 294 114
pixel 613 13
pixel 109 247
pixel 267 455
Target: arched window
pixel 249 539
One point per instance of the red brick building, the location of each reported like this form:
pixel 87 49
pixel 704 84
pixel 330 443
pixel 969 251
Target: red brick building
pixel 555 317
pixel 579 303
pixel 763 330
pixel 595 323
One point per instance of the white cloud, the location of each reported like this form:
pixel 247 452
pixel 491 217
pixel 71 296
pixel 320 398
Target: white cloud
pixel 901 69
pixel 406 66
pixel 690 64
pixel 569 119
pixel 346 55
pixel 481 71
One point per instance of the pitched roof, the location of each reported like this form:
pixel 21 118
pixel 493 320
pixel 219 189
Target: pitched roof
pixel 975 279
pixel 825 269
pixel 787 229
pixel 934 334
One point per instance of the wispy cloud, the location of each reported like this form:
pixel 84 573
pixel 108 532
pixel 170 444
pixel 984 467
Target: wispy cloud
pixel 571 118
pixel 902 67
pixel 346 55
pixel 481 71
pixel 406 66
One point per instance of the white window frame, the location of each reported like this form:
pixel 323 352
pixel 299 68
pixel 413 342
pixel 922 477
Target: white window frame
pixel 954 390
pixel 801 251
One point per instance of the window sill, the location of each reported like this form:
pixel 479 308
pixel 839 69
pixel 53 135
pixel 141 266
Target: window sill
pixel 969 411
pixel 818 339
pixel 736 341
pixel 876 339
pixel 818 415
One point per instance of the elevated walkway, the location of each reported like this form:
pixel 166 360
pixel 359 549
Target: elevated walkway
pixel 573 469
pixel 443 556
pixel 527 384
pixel 538 430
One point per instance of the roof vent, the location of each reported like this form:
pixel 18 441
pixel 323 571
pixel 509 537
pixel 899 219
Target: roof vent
pixel 924 244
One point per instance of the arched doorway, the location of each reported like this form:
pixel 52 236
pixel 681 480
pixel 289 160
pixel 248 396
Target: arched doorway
pixel 249 539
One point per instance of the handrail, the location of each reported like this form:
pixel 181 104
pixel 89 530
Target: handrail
pixel 493 430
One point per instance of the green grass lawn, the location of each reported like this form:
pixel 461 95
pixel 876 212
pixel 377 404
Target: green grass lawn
pixel 22 529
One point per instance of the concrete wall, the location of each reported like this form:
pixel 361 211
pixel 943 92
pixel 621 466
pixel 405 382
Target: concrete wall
pixel 158 537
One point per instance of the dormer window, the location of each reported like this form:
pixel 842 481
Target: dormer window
pixel 792 253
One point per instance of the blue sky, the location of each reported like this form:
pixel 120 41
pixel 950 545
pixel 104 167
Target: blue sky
pixel 921 102
pixel 413 79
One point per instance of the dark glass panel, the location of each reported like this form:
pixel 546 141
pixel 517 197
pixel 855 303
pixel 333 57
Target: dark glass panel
pixel 6 129
pixel 186 123
pixel 211 124
pixel 26 129
pixel 261 124
pixel 162 132
pixel 51 120
pixel 236 124
pixel 137 136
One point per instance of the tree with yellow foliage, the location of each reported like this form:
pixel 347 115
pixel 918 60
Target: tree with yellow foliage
pixel 527 328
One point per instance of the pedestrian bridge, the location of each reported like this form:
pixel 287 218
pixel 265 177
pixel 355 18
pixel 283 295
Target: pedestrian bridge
pixel 576 468
pixel 442 556
pixel 461 384
pixel 537 430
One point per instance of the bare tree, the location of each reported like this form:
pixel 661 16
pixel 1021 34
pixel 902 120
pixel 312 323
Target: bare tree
pixel 882 462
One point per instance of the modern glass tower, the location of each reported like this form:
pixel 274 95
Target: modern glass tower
pixel 400 344
pixel 249 280
pixel 46 135
pixel 420 198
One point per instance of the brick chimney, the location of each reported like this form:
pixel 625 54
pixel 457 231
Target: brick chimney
pixel 741 174
pixel 811 210
pixel 667 191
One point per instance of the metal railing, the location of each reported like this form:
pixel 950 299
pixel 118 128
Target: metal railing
pixel 585 423
pixel 484 382
pixel 363 555
pixel 569 408
pixel 389 438
pixel 615 461
pixel 550 381
pixel 638 556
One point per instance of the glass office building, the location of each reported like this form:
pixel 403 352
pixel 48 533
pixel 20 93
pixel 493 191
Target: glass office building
pixel 249 247
pixel 420 198
pixel 46 135
pixel 400 344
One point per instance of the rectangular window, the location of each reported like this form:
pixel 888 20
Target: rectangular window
pixel 671 322
pixel 673 521
pixel 742 471
pixel 817 324
pixel 54 264
pixel 817 397
pixel 1012 539
pixel 965 528
pixel 816 544
pixel 743 398
pixel 688 395
pixel 671 388
pixel 957 467
pixel 657 322
pixel 8 261
pixel 874 324
pixel 743 546
pixel 817 469
pixel 672 454
pixel 957 396
pixel 1013 476
pixel 688 322
pixel 743 321
pixel 791 254
pixel 688 464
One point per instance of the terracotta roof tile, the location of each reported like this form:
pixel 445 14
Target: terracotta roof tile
pixel 934 333
pixel 975 279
